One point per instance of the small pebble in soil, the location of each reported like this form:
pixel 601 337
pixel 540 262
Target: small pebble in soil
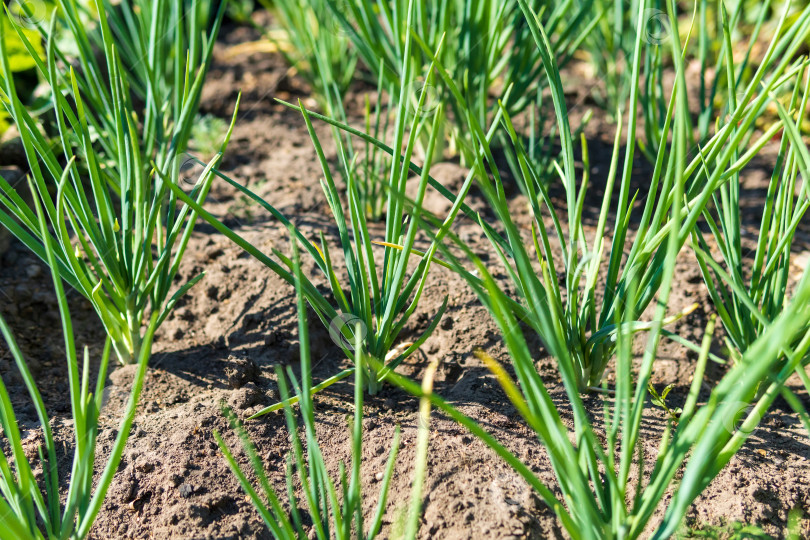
pixel 256 408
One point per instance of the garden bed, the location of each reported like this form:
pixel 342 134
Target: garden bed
pixel 223 341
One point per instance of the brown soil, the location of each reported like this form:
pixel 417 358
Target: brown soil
pixel 225 339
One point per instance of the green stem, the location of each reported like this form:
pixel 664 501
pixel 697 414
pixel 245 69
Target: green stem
pixel 128 348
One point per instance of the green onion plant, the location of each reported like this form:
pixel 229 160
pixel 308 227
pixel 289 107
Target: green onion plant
pixel 36 507
pixel 117 229
pixel 335 508
pixel 719 35
pixel 382 291
pixel 609 47
pixel 371 163
pixel 21 63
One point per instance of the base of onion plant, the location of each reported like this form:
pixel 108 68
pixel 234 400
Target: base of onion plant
pixel 334 508
pixel 117 230
pixel 382 292
pixel 28 511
